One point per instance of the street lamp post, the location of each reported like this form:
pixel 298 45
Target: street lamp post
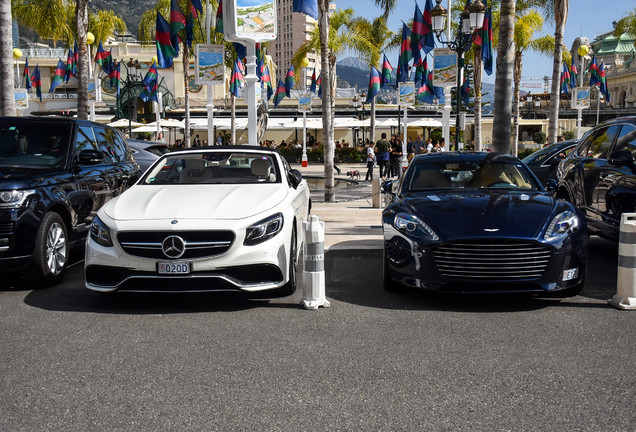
pixel 133 69
pixel 471 20
pixel 355 102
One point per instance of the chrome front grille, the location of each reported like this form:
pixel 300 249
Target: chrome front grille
pixel 198 244
pixel 492 260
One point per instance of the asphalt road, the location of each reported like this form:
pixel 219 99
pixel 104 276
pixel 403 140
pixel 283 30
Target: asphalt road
pixel 72 360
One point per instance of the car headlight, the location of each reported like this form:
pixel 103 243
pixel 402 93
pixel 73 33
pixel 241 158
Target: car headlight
pixel 563 225
pixel 100 233
pixel 412 225
pixel 14 198
pixel 263 230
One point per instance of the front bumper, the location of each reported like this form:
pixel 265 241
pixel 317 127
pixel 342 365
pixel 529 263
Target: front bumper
pixel 417 267
pixel 240 268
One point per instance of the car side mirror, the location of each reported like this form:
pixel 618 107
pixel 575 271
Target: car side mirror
pixel 387 187
pixel 295 177
pixel 90 157
pixel 621 157
pixel 551 185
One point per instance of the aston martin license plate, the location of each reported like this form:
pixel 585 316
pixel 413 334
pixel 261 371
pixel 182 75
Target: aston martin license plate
pixel 173 268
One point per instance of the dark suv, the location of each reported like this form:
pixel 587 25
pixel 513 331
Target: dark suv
pixel 55 173
pixel 600 176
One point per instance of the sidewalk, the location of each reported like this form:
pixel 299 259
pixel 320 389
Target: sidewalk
pixel 350 222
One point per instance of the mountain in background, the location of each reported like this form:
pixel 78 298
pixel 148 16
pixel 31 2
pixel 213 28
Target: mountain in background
pixel 128 10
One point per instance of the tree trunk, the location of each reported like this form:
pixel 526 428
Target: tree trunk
pixel 503 81
pixel 327 99
pixel 372 122
pixel 186 97
pixel 478 72
pixel 515 105
pixel 560 18
pixel 81 15
pixel 7 96
pixel 233 119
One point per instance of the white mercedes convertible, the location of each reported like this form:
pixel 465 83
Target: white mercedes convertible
pixel 203 219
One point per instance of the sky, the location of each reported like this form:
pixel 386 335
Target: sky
pixel 588 18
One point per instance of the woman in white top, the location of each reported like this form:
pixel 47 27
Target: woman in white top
pixel 370 162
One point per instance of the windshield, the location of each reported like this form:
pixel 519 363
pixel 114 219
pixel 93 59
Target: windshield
pixel 34 144
pixel 214 168
pixel 471 174
pixel 540 156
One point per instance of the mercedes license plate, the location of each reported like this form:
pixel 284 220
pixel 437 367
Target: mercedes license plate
pixel 173 268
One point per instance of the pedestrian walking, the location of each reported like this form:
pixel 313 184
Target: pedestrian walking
pixel 370 162
pixel 382 148
pixel 396 158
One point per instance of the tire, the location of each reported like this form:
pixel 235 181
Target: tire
pixel 50 256
pixel 387 283
pixel 290 287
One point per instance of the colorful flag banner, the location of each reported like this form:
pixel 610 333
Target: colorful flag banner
pixel 595 77
pixel 419 73
pixel 219 18
pixel 36 81
pixel 69 66
pixel 573 73
pixel 151 85
pixel 236 80
pixel 114 77
pixel 387 70
pixel 58 75
pixel 417 32
pixel 465 91
pixel 177 22
pixel 197 5
pixel 427 42
pixel 280 92
pixel 25 75
pixel 192 14
pixel 313 81
pixel 319 84
pixel 290 81
pixel 266 79
pixel 486 36
pixel 565 79
pixel 406 54
pixel 308 7
pixel 603 81
pixel 375 83
pixel 165 50
pixel 104 59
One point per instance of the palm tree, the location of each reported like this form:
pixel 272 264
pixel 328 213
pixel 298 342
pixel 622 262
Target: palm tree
pixel 69 21
pixel 627 24
pixel 7 107
pixel 147 27
pixel 556 11
pixel 528 22
pixel 333 36
pixel 376 38
pixel 503 81
pixel 387 5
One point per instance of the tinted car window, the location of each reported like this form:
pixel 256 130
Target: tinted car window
pixel 105 144
pixel 627 139
pixel 602 141
pixel 85 139
pixel 27 144
pixel 117 143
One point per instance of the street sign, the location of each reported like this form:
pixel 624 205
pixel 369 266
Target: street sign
pixel 445 71
pixel 209 64
pixel 249 20
pixel 406 93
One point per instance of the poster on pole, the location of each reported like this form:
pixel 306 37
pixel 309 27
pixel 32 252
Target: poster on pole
pixel 581 98
pixel 445 69
pixel 92 92
pixel 21 99
pixel 249 20
pixel 406 93
pixel 209 64
pixel 304 103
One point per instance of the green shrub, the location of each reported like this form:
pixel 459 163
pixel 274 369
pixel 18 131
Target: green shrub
pixel 569 135
pixel 539 137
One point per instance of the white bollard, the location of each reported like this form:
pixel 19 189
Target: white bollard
pixel 314 264
pixel 625 297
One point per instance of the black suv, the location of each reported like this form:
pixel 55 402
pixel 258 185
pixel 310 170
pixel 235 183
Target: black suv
pixel 600 176
pixel 55 173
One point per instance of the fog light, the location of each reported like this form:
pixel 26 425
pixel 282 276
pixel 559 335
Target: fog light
pixel 570 274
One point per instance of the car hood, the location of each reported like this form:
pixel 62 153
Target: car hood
pixel 143 202
pixel 28 177
pixel 481 213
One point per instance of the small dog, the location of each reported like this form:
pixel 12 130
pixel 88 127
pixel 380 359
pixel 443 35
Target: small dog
pixel 354 174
